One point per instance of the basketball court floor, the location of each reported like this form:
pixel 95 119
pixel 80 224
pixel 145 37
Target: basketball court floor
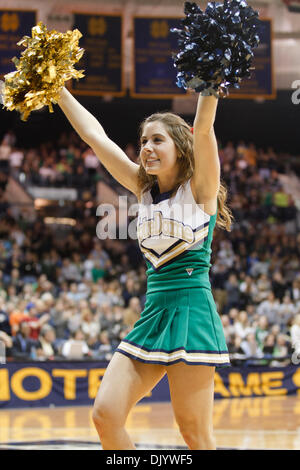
pixel 239 423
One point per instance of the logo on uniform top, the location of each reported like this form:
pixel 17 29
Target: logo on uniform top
pixel 161 225
pixel 189 270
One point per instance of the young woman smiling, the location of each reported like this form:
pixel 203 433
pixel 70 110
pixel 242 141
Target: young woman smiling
pixel 179 331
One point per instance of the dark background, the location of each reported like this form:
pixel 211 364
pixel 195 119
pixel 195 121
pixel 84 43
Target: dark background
pixel 271 123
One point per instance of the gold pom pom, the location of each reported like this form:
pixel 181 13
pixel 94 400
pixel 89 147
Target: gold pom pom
pixel 44 67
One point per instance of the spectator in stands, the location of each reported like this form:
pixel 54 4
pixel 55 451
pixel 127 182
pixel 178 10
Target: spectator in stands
pixel 16 281
pixel 12 294
pixel 99 291
pixel 93 343
pixel 90 324
pixel 237 354
pixel 70 271
pixel 281 202
pixel 47 298
pixel 23 346
pixel 74 293
pixel 133 312
pixel 269 346
pixel 286 311
pixel 29 267
pixel 5 151
pixel 241 325
pixel 75 347
pixel 112 321
pixel 229 152
pixel 98 272
pixel 106 316
pixel 17 315
pixel 9 138
pixel 240 163
pixel 249 290
pixel 264 286
pixel 16 158
pixel 46 348
pixel 228 328
pixel 219 276
pixel 295 290
pixel 7 342
pixel 74 316
pixel 47 174
pixel 59 317
pixel 114 292
pixel 80 178
pixel 250 347
pixel 269 308
pixel 278 284
pixel 233 315
pixel 130 290
pixel 295 333
pixel 261 265
pixel 4 318
pixel 267 195
pixel 88 266
pixel 35 322
pixel 131 152
pixel 123 266
pixel 105 350
pixel 233 293
pixel 262 331
pixel 275 330
pixel 91 162
pixel 291 266
pixel 63 172
pixel 99 254
pixel 282 351
pixel 226 253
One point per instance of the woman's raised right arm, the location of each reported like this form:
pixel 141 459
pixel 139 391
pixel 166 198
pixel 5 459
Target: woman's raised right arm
pixel 90 130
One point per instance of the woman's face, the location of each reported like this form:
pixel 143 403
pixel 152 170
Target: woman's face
pixel 158 152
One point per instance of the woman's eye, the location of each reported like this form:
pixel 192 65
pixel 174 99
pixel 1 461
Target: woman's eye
pixel 143 142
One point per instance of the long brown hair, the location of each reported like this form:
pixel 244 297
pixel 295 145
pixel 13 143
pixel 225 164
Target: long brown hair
pixel 182 136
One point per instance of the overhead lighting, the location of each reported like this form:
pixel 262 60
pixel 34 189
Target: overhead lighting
pixel 60 221
pixel 39 203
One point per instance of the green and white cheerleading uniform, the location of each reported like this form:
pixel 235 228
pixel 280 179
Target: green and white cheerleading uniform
pixel 180 321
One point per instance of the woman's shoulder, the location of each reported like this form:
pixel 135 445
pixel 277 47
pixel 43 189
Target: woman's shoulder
pixel 209 206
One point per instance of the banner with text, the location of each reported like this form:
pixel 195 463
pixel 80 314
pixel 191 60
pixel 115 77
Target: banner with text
pixel 102 60
pixel 14 24
pixel 261 84
pixel 37 384
pixel 154 74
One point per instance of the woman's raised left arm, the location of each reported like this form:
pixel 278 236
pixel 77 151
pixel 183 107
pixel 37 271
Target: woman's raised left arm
pixel 206 177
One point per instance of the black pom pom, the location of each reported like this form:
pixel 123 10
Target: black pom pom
pixel 216 46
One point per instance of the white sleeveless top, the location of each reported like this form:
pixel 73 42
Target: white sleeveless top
pixel 168 227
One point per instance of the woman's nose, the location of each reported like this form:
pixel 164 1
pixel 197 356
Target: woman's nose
pixel 148 147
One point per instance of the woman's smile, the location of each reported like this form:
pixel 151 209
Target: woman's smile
pixel 157 145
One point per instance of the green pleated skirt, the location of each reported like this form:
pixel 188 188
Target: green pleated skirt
pixel 180 325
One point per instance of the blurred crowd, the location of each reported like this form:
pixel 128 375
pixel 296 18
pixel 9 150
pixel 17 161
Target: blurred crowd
pixel 66 295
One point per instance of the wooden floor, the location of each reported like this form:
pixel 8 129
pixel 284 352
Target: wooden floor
pixel 246 423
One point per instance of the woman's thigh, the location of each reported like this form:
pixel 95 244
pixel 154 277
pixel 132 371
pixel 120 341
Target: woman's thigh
pixel 125 382
pixel 192 395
